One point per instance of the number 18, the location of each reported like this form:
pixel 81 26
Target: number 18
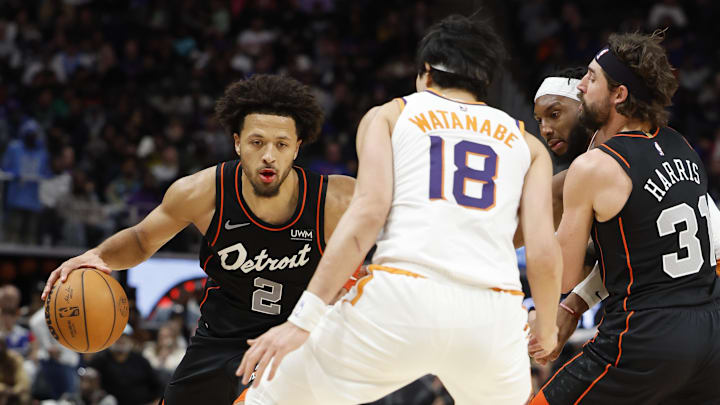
pixel 464 173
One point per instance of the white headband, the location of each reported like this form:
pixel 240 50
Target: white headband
pixel 559 86
pixel 442 68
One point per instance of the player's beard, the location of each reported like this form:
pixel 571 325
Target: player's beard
pixel 266 190
pixel 578 141
pixel 592 118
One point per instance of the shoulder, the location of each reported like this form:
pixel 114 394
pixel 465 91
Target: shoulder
pixel 196 183
pixel 195 192
pixel 595 165
pixel 533 142
pixel 339 192
pixel 389 111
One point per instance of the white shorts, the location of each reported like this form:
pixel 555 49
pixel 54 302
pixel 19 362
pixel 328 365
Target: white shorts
pixel 392 328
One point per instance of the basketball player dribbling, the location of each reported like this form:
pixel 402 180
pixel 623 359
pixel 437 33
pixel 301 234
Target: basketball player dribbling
pixel 265 223
pixel 647 212
pixel 442 176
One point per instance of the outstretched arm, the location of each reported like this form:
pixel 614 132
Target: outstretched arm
pixel 190 199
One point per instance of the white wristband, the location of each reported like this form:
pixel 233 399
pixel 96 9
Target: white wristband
pixel 308 311
pixel 592 290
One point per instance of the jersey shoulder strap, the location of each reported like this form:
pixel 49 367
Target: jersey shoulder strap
pixel 617 149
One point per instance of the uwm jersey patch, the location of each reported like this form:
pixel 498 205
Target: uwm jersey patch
pixel 459 170
pixel 257 271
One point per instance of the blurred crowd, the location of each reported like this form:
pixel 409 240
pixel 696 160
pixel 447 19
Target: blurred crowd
pixel 103 104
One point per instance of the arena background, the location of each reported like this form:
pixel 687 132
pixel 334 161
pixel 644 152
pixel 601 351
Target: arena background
pixel 103 104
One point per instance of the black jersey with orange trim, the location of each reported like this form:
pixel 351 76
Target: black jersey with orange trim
pixel 657 251
pixel 256 270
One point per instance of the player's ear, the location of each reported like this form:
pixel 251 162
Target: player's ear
pixel 423 79
pixel 428 76
pixel 236 137
pixel 620 94
pixel 297 148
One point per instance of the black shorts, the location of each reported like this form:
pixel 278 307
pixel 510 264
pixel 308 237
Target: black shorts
pixel 206 375
pixel 662 356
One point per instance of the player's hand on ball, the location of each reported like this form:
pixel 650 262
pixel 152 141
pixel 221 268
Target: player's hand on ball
pixel 270 347
pixel 87 259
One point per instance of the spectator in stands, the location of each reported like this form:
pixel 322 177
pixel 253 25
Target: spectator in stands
pixel 82 212
pixel 26 160
pixel 14 381
pixel 91 393
pixel 126 374
pixel 57 365
pixel 118 192
pixel 332 161
pixel 145 199
pixel 53 189
pixel 17 338
pixel 165 354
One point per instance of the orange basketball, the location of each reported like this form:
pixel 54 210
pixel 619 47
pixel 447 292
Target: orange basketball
pixel 88 312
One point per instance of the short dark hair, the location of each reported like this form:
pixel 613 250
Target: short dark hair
pixel 644 55
pixel 274 95
pixel 469 48
pixel 572 72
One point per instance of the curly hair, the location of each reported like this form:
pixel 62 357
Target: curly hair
pixel 273 95
pixel 644 55
pixel 469 47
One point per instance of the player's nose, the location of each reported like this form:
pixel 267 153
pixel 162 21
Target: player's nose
pixel 545 130
pixel 269 154
pixel 582 86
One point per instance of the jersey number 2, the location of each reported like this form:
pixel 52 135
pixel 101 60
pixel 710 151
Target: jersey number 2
pixel 666 222
pixel 463 173
pixel 271 296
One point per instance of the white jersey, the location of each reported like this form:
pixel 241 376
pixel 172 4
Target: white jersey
pixel 459 170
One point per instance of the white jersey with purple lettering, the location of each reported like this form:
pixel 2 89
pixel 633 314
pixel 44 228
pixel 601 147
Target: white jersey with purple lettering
pixel 459 172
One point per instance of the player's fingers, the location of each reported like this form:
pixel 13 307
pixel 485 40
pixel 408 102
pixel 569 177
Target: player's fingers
pixel 241 368
pixel 262 365
pixel 251 357
pixel 554 355
pixel 246 372
pixel 64 273
pixel 275 363
pixel 49 284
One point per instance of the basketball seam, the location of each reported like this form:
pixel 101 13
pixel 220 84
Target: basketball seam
pixel 82 290
pixel 114 309
pixel 56 318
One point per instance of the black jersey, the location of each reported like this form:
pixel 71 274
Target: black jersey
pixel 257 271
pixel 657 252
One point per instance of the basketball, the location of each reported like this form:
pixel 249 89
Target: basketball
pixel 88 312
